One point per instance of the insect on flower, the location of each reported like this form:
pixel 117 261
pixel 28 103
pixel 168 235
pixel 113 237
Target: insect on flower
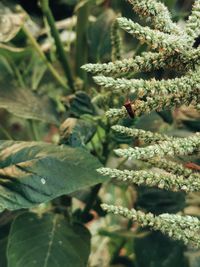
pixel 192 166
pixel 128 106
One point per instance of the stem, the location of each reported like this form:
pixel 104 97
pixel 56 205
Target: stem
pixel 81 40
pixel 6 133
pixel 96 151
pixel 34 130
pixel 17 73
pixel 103 158
pixel 43 57
pixel 59 46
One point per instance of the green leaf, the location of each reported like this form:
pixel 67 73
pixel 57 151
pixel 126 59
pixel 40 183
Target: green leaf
pixel 25 104
pixel 159 201
pixel 99 36
pixel 156 250
pixel 76 132
pixel 49 241
pixel 193 125
pixel 36 172
pixel 81 104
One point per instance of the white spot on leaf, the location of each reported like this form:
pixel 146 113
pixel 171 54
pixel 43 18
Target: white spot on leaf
pixel 43 181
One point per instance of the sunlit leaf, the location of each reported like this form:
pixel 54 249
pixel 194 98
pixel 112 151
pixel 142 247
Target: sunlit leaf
pixel 36 172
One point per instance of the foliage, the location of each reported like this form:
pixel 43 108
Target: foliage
pixel 127 136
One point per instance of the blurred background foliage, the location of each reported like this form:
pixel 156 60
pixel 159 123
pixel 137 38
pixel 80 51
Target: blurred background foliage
pixel 37 113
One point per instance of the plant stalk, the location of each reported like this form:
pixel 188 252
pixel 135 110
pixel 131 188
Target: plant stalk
pixel 43 57
pixel 34 129
pixel 6 133
pixel 81 40
pixel 59 46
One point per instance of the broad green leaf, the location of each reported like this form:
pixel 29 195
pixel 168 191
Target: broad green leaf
pixel 99 36
pixel 76 132
pixel 47 241
pixel 25 104
pixel 160 201
pixel 81 104
pixel 36 172
pixel 156 250
pixel 193 125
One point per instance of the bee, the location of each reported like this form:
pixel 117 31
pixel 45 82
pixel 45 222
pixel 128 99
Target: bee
pixel 192 166
pixel 128 106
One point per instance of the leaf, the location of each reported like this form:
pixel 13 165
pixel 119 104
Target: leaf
pixel 81 104
pixel 25 104
pixel 156 250
pixel 160 201
pixel 151 122
pixel 76 132
pixel 99 40
pixel 49 241
pixel 10 24
pixel 36 172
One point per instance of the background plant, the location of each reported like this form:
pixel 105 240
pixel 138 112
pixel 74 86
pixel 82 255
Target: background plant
pixel 50 191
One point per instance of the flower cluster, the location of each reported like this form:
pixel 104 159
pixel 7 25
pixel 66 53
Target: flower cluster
pixel 178 146
pixel 172 48
pixel 185 228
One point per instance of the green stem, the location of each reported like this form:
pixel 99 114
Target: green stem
pixel 6 133
pixel 17 73
pixel 43 57
pixel 95 190
pixel 96 151
pixel 34 130
pixel 81 40
pixel 59 46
